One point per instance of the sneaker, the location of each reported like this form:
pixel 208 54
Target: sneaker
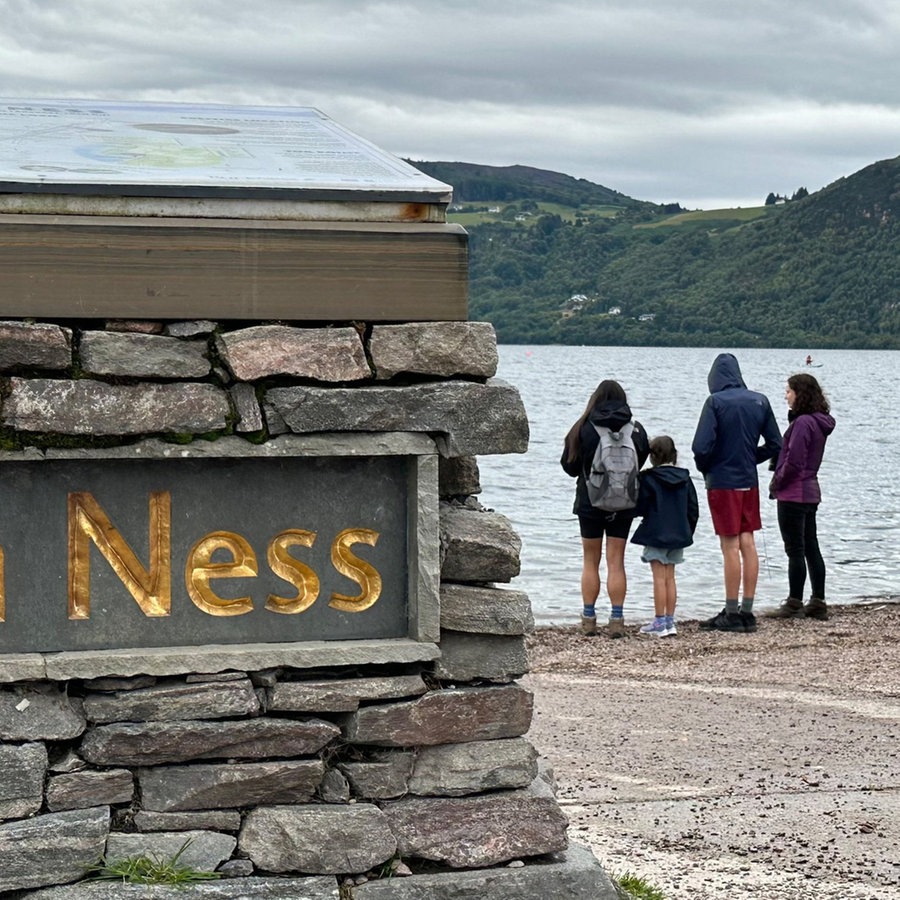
pixel 792 608
pixel 671 631
pixel 588 625
pixel 616 628
pixel 723 621
pixel 656 627
pixel 749 621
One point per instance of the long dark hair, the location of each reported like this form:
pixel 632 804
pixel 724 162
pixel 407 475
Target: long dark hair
pixel 605 391
pixel 808 396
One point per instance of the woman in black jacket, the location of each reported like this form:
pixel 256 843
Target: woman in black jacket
pixel 608 407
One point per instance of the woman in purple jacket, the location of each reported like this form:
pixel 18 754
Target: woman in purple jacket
pixel 796 488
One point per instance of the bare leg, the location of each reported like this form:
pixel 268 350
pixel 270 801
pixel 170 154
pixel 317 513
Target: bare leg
pixel 750 563
pixel 616 582
pixel 731 556
pixel 671 590
pixel 660 595
pixel 592 549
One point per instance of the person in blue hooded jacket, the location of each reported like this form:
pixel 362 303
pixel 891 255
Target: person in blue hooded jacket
pixel 727 451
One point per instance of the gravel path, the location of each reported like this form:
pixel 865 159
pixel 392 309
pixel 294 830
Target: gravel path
pixel 716 765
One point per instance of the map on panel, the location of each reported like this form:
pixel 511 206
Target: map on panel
pixel 72 146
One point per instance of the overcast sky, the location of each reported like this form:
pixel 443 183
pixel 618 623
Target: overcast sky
pixel 705 102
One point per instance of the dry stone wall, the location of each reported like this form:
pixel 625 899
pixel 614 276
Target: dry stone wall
pixel 289 782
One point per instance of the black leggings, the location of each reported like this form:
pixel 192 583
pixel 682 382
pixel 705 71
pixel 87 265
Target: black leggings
pixel 797 522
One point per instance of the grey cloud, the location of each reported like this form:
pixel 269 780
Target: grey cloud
pixel 701 99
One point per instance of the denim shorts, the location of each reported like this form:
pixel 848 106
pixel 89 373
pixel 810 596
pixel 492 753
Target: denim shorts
pixel 666 557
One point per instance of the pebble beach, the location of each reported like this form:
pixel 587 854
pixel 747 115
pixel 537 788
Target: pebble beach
pixel 722 765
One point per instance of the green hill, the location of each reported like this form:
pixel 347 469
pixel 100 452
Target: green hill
pixel 561 260
pixel 492 184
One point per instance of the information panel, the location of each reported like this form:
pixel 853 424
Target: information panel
pixel 169 149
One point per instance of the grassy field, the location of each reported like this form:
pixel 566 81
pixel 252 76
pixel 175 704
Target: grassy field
pixel 711 218
pixel 568 213
pixel 703 218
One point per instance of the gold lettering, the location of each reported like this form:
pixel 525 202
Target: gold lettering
pixel 356 569
pixel 88 522
pixel 293 571
pixel 2 588
pixel 200 569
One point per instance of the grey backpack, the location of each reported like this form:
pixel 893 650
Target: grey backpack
pixel 612 483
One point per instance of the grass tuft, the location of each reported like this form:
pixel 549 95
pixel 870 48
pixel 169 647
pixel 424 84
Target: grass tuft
pixel 150 870
pixel 638 888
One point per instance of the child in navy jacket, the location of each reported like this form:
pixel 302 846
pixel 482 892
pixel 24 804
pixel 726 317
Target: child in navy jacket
pixel 668 505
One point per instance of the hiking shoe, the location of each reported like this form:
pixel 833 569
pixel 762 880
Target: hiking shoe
pixel 749 621
pixel 656 627
pixel 616 628
pixel 817 608
pixel 588 625
pixel 723 621
pixel 792 608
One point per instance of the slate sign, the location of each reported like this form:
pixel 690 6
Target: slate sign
pixel 118 553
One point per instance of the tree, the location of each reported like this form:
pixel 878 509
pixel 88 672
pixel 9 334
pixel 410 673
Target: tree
pixel 800 193
pixel 546 225
pixel 770 200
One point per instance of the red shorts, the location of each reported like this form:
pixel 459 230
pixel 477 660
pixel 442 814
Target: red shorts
pixel 734 512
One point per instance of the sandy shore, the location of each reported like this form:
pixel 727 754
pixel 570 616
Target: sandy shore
pixel 717 765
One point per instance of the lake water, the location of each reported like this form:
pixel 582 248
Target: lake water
pixel 859 518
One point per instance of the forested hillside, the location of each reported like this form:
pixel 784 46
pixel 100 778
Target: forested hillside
pixel 560 260
pixel 473 183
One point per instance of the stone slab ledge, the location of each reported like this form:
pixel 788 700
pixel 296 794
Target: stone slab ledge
pixel 210 658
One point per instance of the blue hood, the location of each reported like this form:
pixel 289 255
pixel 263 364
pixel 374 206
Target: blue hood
pixel 725 373
pixel 671 477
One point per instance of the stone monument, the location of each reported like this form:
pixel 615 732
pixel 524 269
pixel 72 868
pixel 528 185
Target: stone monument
pixel 251 610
